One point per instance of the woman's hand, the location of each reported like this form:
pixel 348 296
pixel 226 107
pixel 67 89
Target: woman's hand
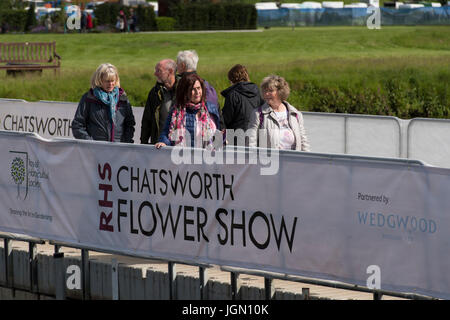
pixel 160 144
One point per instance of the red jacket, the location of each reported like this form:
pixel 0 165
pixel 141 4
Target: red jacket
pixel 90 25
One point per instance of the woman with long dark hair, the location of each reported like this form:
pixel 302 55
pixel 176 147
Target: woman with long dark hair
pixel 192 122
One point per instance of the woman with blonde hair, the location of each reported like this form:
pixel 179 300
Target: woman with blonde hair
pixel 277 124
pixel 104 112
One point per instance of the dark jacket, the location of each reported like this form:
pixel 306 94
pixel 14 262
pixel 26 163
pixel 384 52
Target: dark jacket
pixel 213 111
pixel 92 119
pixel 149 125
pixel 240 101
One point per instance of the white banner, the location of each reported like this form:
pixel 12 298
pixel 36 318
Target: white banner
pixel 49 119
pixel 372 223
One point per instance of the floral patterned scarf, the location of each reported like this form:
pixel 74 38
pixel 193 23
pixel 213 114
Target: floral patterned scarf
pixel 204 126
pixel 110 99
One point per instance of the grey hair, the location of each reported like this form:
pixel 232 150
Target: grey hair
pixel 170 64
pixel 189 58
pixel 274 82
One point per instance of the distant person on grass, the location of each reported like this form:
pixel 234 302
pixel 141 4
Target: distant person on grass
pixel 104 112
pixel 277 124
pixel 90 23
pixel 132 21
pixel 241 98
pixel 192 121
pixel 159 101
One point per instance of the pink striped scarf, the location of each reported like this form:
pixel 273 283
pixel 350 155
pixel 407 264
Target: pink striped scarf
pixel 204 126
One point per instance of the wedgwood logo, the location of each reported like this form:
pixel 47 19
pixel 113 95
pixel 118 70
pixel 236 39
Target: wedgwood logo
pixel 215 152
pixel 26 173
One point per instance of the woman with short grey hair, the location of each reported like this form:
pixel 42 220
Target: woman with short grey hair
pixel 187 60
pixel 277 124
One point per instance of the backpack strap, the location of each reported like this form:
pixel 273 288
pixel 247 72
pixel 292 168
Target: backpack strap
pixel 261 117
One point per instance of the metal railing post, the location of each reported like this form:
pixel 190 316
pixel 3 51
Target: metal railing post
pixel 9 265
pixel 377 295
pixel 235 286
pixel 172 280
pixel 32 257
pixel 305 293
pixel 86 274
pixel 60 276
pixel 115 279
pixel 269 290
pixel 203 279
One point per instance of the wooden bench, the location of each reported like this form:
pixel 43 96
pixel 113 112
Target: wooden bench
pixel 20 57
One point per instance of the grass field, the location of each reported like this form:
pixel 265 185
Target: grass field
pixel 348 59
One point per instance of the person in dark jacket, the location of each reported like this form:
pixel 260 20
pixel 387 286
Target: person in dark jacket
pixel 192 121
pixel 160 99
pixel 241 98
pixel 104 112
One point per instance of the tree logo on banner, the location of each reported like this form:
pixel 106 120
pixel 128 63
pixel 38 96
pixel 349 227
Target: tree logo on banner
pixel 19 172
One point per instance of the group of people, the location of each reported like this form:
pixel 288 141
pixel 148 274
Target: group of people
pixel 127 24
pixel 86 22
pixel 182 109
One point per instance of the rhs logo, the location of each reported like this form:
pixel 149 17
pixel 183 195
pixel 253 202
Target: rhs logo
pixel 19 171
pixel 26 173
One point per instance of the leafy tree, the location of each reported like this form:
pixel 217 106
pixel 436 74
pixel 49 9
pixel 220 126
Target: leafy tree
pixel 5 5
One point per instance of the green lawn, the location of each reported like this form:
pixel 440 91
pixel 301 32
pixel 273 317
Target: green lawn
pixel 319 58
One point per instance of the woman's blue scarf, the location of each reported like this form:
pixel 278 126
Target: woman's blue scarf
pixel 108 98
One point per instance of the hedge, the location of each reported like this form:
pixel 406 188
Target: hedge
pixel 214 16
pixel 394 96
pixel 165 23
pixel 107 13
pixel 15 19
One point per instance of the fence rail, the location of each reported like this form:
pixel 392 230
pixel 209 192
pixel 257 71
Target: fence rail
pixel 292 17
pixel 235 274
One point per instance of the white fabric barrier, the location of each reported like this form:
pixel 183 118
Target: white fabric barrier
pixel 365 135
pixel 429 140
pixel 376 222
pixel 376 136
pixel 49 119
pixel 329 133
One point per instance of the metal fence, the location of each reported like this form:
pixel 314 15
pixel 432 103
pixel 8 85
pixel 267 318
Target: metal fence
pixel 424 139
pixel 235 274
pixel 352 16
pixel 364 135
pixel 339 133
